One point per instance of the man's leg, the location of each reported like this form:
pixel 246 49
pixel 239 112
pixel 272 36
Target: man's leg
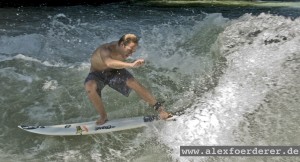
pixel 91 89
pixel 141 91
pixel 145 95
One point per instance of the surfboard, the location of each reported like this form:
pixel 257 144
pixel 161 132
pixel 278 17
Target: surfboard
pixel 87 128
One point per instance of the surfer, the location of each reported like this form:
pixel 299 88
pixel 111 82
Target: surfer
pixel 108 67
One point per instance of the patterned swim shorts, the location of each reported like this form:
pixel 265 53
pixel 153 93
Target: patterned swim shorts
pixel 115 78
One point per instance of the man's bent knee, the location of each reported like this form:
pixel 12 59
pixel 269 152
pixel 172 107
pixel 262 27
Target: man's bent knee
pixel 90 86
pixel 131 82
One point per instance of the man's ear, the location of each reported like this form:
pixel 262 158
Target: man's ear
pixel 122 44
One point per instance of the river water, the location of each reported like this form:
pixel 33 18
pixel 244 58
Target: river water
pixel 233 72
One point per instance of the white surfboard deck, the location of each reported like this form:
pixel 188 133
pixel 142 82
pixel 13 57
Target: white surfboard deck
pixel 86 128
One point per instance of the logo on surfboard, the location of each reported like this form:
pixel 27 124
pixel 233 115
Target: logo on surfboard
pixel 81 129
pixel 31 127
pixel 105 127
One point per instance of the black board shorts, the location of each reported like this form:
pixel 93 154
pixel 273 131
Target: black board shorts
pixel 114 78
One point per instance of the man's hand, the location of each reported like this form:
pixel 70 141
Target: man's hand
pixel 138 63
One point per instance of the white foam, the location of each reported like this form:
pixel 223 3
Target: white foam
pixel 32 59
pixel 23 57
pixel 83 66
pixel 242 87
pixel 46 63
pixel 50 85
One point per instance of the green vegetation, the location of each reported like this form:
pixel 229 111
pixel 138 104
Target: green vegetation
pixel 207 3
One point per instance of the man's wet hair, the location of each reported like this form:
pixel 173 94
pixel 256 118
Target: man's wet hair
pixel 128 38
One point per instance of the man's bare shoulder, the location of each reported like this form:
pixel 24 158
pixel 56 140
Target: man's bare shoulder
pixel 106 49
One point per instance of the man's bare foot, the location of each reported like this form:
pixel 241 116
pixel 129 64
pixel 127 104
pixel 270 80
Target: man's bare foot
pixel 101 121
pixel 163 114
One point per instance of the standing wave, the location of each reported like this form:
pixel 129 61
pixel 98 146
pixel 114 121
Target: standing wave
pixel 255 100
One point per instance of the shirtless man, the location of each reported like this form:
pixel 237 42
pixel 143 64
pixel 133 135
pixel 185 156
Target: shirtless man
pixel 108 67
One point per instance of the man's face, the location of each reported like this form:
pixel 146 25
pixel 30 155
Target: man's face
pixel 129 49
